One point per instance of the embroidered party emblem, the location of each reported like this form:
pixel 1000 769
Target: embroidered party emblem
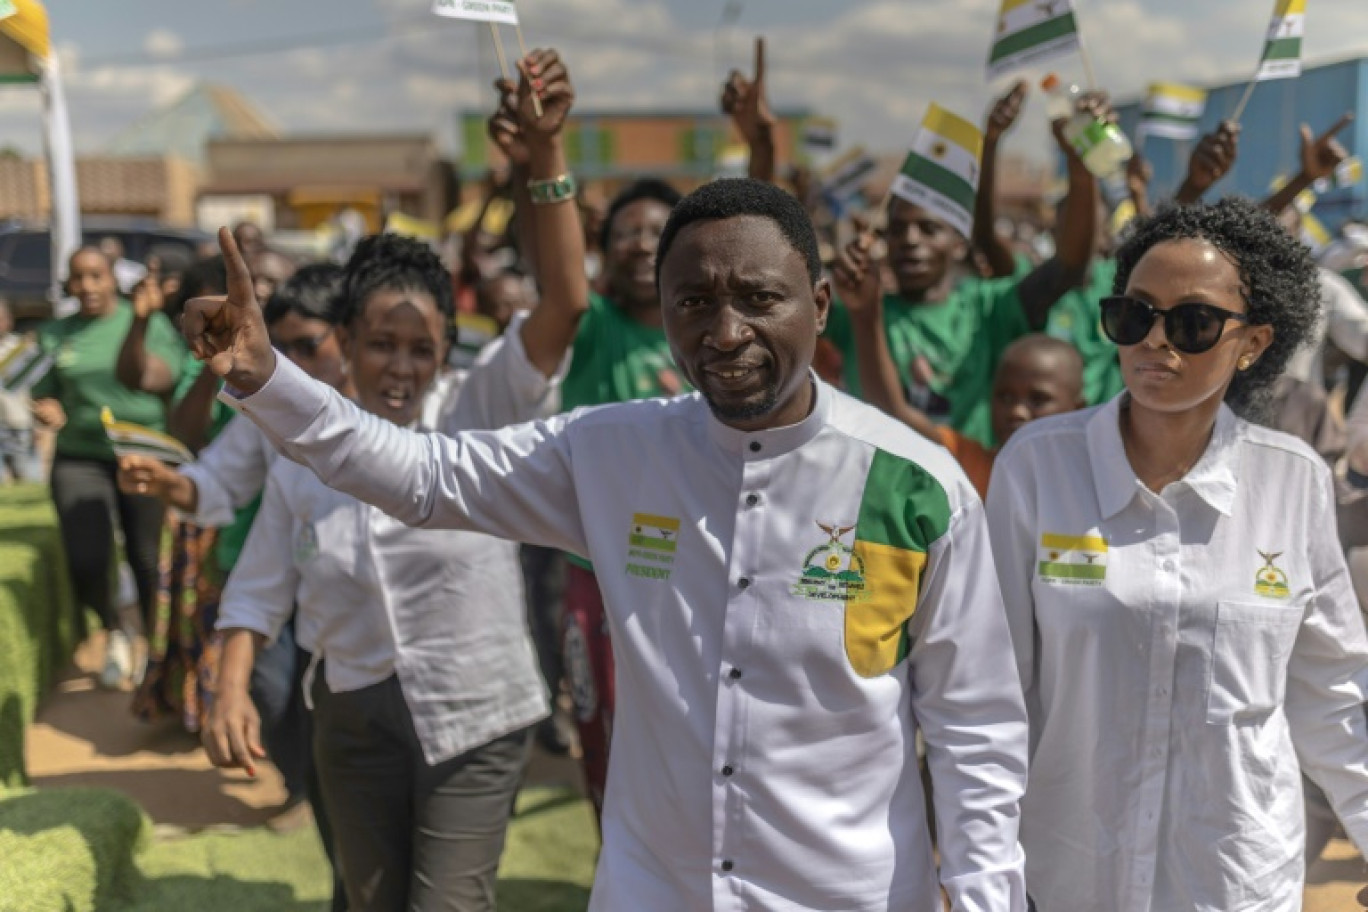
pixel 651 546
pixel 1073 560
pixel 832 571
pixel 305 544
pixel 1270 582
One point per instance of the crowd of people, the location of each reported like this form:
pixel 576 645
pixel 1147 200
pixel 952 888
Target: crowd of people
pixel 1079 555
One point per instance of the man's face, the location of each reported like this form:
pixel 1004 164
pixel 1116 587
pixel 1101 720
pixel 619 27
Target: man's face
pixel 742 316
pixel 250 241
pixel 629 261
pixel 922 249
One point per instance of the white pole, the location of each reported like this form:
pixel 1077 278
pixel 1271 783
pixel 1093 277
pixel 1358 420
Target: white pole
pixel 61 162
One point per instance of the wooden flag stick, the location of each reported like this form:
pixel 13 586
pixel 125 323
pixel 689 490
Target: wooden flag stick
pixel 499 51
pixel 1244 101
pixel 1088 72
pixel 522 49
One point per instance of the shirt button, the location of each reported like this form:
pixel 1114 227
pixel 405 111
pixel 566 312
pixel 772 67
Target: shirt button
pixel 755 446
pixel 727 865
pixel 744 582
pixel 1168 566
pixel 734 674
pixel 752 499
pixel 727 770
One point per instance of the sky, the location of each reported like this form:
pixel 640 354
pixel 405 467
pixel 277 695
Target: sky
pixel 353 66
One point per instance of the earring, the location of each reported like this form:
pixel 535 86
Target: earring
pixel 1245 362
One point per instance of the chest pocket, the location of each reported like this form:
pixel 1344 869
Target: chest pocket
pixel 325 544
pixel 1249 660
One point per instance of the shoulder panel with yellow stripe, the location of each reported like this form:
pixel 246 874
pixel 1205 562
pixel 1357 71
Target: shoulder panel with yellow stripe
pixel 903 511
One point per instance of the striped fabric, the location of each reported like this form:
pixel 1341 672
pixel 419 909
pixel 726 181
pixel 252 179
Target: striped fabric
pixel 1282 51
pixel 1031 31
pixel 941 172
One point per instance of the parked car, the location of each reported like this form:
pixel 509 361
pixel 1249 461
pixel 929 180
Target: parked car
pixel 26 256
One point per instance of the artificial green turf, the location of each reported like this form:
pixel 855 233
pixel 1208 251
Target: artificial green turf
pixel 548 866
pixel 39 628
pixel 67 850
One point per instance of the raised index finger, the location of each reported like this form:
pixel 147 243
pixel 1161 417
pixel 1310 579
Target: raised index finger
pixel 240 292
pixel 759 59
pixel 1339 125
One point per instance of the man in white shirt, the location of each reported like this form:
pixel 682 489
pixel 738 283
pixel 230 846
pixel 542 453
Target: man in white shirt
pixel 796 584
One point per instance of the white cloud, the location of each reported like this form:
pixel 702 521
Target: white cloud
pixel 162 42
pixel 874 64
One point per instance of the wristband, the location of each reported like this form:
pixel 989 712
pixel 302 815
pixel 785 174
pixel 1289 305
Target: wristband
pixel 556 190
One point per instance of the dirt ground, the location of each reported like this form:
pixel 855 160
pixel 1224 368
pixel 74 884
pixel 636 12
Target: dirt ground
pixel 86 736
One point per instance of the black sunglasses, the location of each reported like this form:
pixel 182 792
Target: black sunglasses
pixel 303 347
pixel 1190 328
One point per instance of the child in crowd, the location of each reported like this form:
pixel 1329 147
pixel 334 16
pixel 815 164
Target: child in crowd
pixel 1037 376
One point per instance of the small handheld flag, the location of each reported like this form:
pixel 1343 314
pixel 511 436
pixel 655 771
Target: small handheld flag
pixel 843 180
pixel 504 11
pixel 1282 51
pixel 942 170
pixel 1031 31
pixel 819 133
pixel 1172 111
pixel 22 364
pixel 131 439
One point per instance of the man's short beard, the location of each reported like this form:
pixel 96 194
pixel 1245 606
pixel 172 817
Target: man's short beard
pixel 755 409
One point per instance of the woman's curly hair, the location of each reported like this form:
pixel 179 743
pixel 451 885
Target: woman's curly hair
pixel 1281 283
pixel 391 262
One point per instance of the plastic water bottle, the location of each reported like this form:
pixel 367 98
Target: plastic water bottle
pixel 1102 146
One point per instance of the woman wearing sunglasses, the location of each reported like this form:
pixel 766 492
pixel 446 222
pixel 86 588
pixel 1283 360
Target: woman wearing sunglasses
pixel 1184 627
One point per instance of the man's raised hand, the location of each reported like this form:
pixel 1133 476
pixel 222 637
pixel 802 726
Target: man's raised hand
pixel 744 101
pixel 1005 112
pixel 227 332
pixel 504 127
pixel 858 281
pixel 1321 155
pixel 147 296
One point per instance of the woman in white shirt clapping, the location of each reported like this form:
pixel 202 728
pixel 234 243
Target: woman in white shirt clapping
pixel 1183 622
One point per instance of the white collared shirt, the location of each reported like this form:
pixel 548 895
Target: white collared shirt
pixel 787 608
pixel 442 610
pixel 1180 653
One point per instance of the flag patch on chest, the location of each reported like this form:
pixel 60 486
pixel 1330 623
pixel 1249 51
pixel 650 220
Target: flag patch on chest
pixel 1079 560
pixel 651 545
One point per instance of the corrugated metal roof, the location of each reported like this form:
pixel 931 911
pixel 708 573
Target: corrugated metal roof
pixel 182 128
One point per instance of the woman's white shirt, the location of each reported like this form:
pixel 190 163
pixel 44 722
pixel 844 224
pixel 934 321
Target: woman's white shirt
pixel 1180 654
pixel 442 610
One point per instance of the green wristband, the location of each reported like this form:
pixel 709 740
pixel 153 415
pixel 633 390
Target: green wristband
pixel 556 190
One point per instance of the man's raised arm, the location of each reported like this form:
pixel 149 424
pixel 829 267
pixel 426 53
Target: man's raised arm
pixel 514 483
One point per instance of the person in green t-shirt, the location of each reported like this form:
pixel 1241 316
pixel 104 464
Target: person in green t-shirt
pixel 947 333
pixel 620 354
pixel 87 376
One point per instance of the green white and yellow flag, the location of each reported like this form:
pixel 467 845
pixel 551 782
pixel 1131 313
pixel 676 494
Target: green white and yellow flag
pixel 1282 50
pixel 655 533
pixel 1172 111
pixel 131 439
pixel 1076 559
pixel 22 363
pixel 480 10
pixel 1030 31
pixel 942 170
